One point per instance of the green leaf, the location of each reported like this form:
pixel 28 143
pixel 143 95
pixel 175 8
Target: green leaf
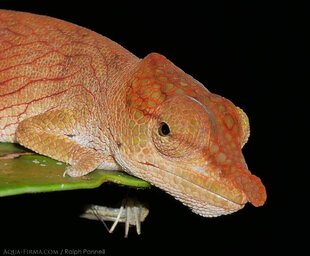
pixel 36 173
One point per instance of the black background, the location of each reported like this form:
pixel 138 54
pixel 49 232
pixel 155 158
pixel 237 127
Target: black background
pixel 251 54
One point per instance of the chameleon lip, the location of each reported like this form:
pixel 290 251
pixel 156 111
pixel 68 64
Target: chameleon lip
pixel 219 195
pixel 190 184
pixel 199 199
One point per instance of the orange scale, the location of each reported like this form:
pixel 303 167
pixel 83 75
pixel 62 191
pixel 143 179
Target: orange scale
pixel 216 98
pixel 183 83
pixel 139 106
pixel 147 74
pixel 135 84
pixel 168 87
pixel 228 121
pixel 154 95
pixel 133 98
pixel 222 108
pixel 162 79
pixel 226 150
pixel 159 72
pixel 144 82
pixel 161 99
pixel 236 129
pixel 146 92
pixel 156 86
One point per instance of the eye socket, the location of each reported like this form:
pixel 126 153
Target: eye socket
pixel 163 129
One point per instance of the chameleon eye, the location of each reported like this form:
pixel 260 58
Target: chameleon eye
pixel 181 127
pixel 163 129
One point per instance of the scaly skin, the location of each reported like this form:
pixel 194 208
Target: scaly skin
pixel 78 97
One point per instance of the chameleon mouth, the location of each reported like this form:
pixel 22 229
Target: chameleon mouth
pixel 204 195
pixel 211 209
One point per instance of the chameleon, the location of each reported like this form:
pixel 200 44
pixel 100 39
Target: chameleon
pixel 71 94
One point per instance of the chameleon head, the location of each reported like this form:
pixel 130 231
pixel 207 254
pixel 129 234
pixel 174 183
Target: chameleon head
pixel 174 133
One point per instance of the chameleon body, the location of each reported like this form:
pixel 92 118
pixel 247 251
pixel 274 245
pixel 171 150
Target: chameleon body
pixel 76 96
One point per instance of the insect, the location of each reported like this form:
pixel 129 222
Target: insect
pixel 131 212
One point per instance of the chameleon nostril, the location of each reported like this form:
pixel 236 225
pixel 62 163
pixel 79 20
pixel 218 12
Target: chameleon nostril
pixel 163 129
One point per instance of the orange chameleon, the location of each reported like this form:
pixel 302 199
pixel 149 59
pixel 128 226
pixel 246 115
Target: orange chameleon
pixel 78 97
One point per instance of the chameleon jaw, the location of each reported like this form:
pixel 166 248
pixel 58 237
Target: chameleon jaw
pixel 201 200
pixel 205 209
pixel 204 195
